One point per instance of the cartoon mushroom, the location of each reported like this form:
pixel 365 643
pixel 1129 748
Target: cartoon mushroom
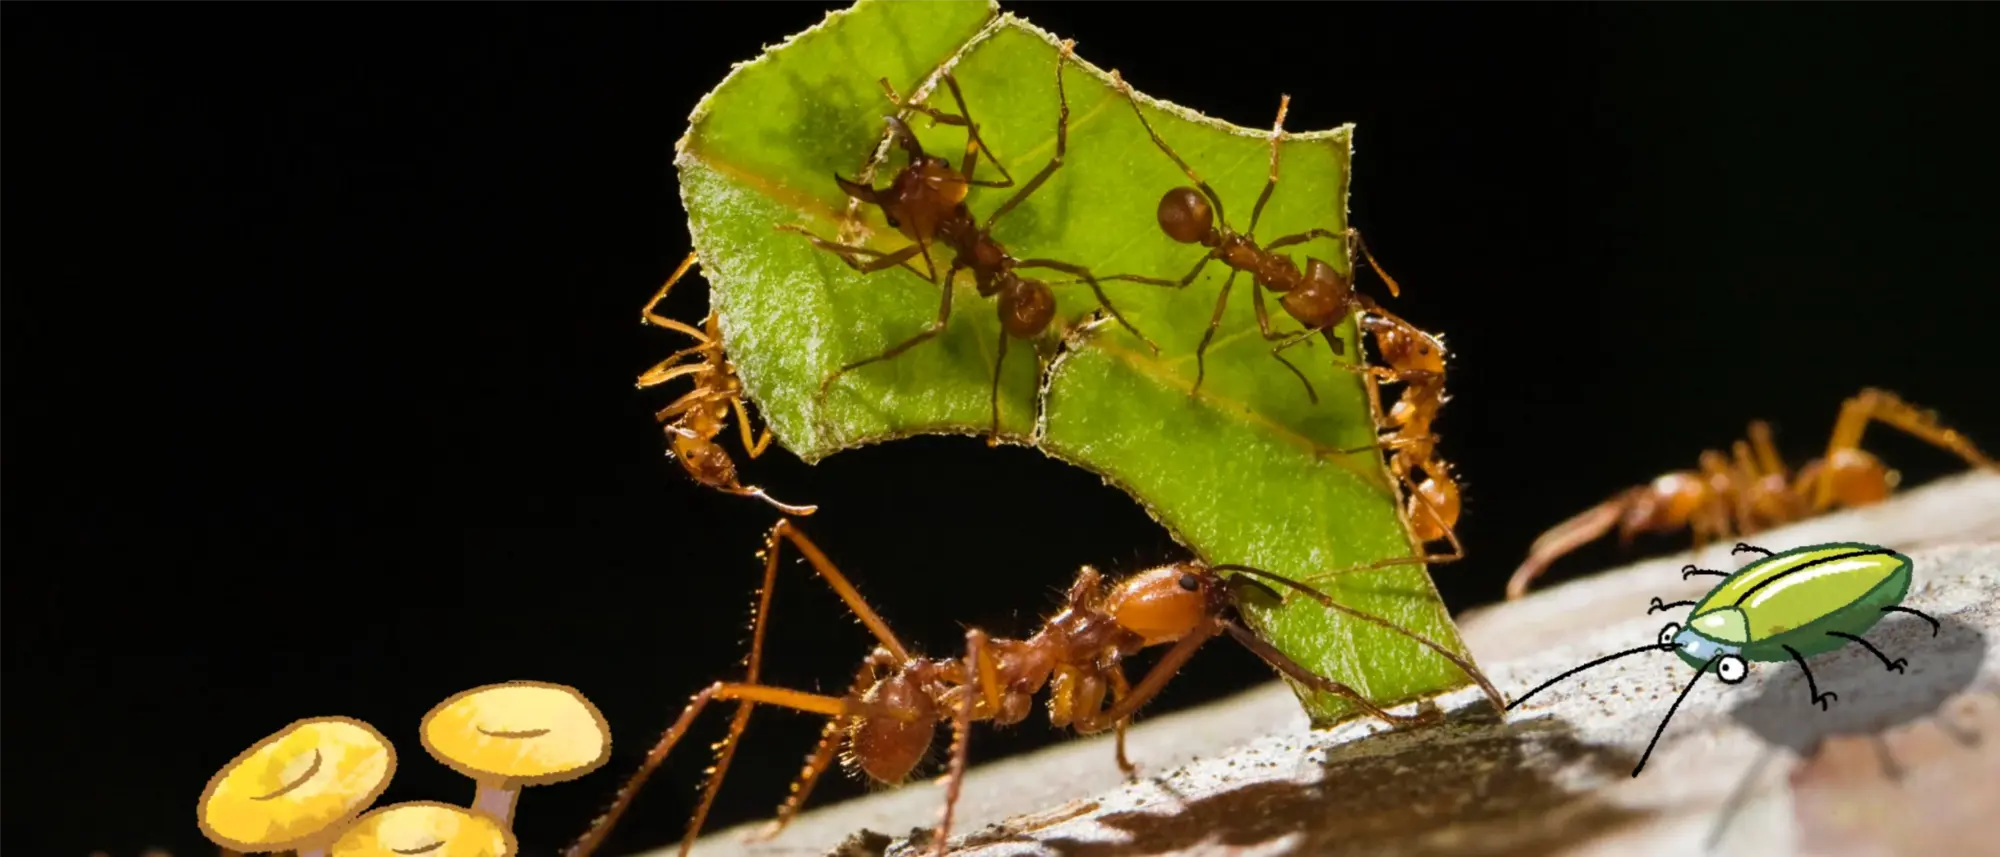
pixel 518 733
pixel 424 829
pixel 297 788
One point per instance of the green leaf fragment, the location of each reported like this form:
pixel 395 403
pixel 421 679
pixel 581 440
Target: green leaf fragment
pixel 1246 473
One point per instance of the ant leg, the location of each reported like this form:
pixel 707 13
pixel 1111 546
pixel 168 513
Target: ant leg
pixel 661 374
pixel 1181 283
pixel 1056 162
pixel 1277 134
pixel 1300 674
pixel 823 754
pixel 1163 670
pixel 976 664
pixel 831 574
pixel 1290 340
pixel 1581 529
pixel 1354 235
pixel 649 316
pixel 747 693
pixel 1214 321
pixel 1898 608
pixel 1767 452
pixel 999 360
pixel 1120 688
pixel 878 260
pixel 1214 200
pixel 1095 287
pixel 935 328
pixel 754 446
pixel 1812 687
pixel 973 139
pixel 1876 404
pixel 1894 666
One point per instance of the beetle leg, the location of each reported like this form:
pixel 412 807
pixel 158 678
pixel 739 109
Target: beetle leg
pixel 1894 666
pixel 1898 608
pixel 1812 687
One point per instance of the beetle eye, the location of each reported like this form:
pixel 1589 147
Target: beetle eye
pixel 1189 582
pixel 1668 634
pixel 1731 669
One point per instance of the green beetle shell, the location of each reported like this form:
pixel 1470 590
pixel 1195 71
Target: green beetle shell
pixel 1794 598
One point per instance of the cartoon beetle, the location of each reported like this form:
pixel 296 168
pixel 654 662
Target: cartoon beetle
pixel 1786 606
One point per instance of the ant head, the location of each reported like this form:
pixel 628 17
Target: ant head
pixel 1320 302
pixel 1164 604
pixel 1185 215
pixel 1406 347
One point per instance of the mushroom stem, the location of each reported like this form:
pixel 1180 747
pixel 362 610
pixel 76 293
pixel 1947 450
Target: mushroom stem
pixel 495 801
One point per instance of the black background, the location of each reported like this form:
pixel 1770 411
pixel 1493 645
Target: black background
pixel 321 323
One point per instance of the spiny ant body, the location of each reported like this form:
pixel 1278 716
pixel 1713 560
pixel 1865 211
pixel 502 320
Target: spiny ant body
pixel 1416 359
pixel 886 722
pixel 926 202
pixel 696 419
pixel 1753 491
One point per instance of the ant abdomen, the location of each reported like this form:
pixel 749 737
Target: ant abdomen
pixel 1186 216
pixel 1026 307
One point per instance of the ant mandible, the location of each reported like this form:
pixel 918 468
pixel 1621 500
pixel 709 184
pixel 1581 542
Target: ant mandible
pixel 888 718
pixel 1319 298
pixel 703 412
pixel 1753 492
pixel 926 202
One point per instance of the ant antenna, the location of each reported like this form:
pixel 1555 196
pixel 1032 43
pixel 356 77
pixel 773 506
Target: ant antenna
pixel 1670 712
pixel 1649 647
pixel 1325 600
pixel 1745 548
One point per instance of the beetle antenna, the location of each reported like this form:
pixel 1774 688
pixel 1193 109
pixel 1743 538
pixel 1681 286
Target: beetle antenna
pixel 1747 548
pixel 1649 647
pixel 1670 713
pixel 1325 600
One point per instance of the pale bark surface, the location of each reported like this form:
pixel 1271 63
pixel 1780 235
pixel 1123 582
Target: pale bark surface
pixel 1900 763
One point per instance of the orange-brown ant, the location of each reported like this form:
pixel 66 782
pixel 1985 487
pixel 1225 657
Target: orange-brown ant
pixel 703 413
pixel 888 719
pixel 1416 359
pixel 1753 491
pixel 1320 297
pixel 926 202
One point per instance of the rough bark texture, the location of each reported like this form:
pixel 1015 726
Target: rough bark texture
pixel 1901 763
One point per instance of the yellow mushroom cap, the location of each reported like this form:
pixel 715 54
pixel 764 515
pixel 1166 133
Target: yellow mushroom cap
pixel 424 829
pixel 297 784
pixel 521 733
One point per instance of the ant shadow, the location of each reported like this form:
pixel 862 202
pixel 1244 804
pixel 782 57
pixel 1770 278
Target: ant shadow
pixel 1460 789
pixel 1869 699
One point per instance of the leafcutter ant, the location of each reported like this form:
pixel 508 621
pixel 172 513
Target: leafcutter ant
pixel 926 202
pixel 703 412
pixel 1753 491
pixel 1320 297
pixel 888 718
pixel 1416 359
